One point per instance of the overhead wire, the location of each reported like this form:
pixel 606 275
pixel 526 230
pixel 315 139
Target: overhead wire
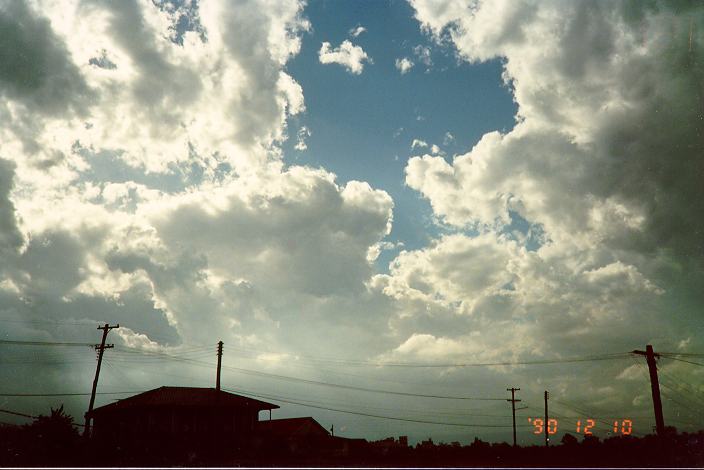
pixel 24 415
pixel 328 384
pixel 683 354
pixel 44 343
pixel 416 411
pixel 370 415
pixel 691 388
pixel 692 395
pixel 193 356
pixel 67 394
pixel 599 357
pixel 664 393
pixel 684 360
pixel 424 412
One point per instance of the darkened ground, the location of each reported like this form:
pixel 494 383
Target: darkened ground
pixel 54 441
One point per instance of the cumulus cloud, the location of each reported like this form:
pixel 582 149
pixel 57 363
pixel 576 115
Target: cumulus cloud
pixel 404 65
pixel 347 54
pixel 601 163
pixel 10 236
pixel 38 73
pixel 208 100
pixel 584 125
pixel 150 191
pixel 142 183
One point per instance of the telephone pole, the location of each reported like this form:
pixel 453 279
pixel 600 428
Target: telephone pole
pixel 513 410
pixel 547 437
pixel 100 348
pixel 650 357
pixel 217 378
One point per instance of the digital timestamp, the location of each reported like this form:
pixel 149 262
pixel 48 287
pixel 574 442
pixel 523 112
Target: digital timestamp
pixel 623 426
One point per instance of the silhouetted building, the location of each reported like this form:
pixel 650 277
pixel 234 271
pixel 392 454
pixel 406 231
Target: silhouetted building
pixel 293 435
pixel 181 418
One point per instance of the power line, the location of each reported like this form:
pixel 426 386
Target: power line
pixel 414 411
pixel 270 397
pixel 365 389
pixel 677 379
pixel 693 395
pixel 684 360
pixel 44 322
pixel 2 410
pixel 326 384
pixel 668 395
pixel 68 394
pixel 682 354
pixel 599 357
pixel 44 343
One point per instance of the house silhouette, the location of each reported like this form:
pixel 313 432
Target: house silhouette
pixel 183 418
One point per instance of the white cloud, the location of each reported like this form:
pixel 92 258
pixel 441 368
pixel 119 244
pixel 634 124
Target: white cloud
pixel 435 150
pixel 354 32
pixel 423 54
pixel 584 168
pixel 203 104
pixel 348 55
pixel 302 135
pixel 577 109
pixel 150 191
pixel 418 143
pixel 404 65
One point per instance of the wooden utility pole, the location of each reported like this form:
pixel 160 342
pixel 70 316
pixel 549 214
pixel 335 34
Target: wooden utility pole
pixel 217 378
pixel 547 437
pixel 100 348
pixel 513 410
pixel 650 357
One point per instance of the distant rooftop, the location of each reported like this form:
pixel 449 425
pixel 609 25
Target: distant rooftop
pixel 186 397
pixel 292 426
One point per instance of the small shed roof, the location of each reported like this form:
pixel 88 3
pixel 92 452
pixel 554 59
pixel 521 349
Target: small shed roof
pixel 185 397
pixel 292 427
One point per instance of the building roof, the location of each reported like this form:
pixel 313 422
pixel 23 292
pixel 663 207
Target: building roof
pixel 292 427
pixel 185 397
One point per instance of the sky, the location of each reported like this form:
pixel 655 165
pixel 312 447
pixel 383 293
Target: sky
pixel 389 212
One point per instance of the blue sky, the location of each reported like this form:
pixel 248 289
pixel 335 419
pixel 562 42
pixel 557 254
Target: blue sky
pixel 362 126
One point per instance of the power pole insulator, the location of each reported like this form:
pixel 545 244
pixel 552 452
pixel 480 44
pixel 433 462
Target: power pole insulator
pixel 513 410
pixel 217 377
pixel 101 349
pixel 650 358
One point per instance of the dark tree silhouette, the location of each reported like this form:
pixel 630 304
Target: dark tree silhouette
pixel 48 441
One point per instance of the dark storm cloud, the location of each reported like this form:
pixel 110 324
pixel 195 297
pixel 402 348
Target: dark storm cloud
pixel 10 237
pixel 35 67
